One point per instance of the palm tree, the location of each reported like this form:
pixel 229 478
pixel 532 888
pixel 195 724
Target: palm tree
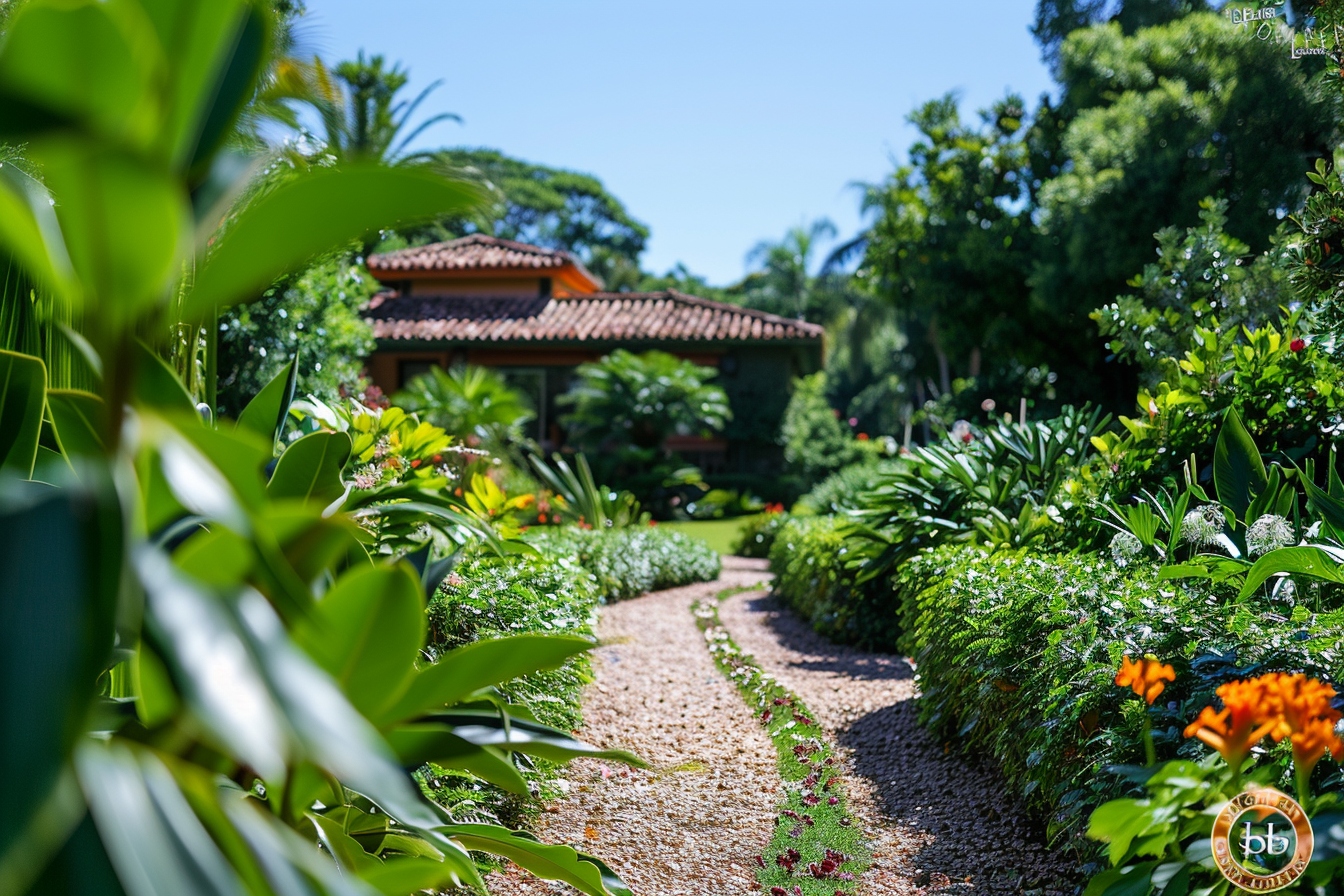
pixel 783 284
pixel 365 121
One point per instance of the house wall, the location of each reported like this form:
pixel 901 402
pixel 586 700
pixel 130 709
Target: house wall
pixel 757 378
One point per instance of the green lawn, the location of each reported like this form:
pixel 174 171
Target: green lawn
pixel 721 534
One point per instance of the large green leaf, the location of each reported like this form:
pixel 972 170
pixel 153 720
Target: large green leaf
pixel 29 229
pixel 60 571
pixel 23 386
pixel 549 861
pixel 416 745
pixel 309 214
pixel 154 839
pixel 158 386
pixel 80 418
pixel 265 414
pixel 1238 471
pixel 215 52
pixel 88 62
pixel 1307 561
pixel 485 728
pixel 310 469
pixel 125 223
pixel 465 670
pixel 366 632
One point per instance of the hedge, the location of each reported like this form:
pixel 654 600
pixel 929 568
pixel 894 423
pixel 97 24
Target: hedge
pixel 1016 656
pixel 632 561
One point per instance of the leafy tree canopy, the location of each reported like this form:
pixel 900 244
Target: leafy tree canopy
pixel 1158 120
pixel 1057 19
pixel 952 243
pixel 551 207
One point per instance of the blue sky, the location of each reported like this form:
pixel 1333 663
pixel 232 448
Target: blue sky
pixel 718 124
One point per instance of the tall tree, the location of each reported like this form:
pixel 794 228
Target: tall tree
pixel 1157 121
pixel 952 245
pixel 365 120
pixel 551 207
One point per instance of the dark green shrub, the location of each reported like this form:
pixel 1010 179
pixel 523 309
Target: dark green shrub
pixel 758 534
pixel 1017 653
pixel 809 559
pixel 632 561
pixel 488 597
pixel 841 490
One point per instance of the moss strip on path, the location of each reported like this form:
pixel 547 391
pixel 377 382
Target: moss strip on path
pixel 816 849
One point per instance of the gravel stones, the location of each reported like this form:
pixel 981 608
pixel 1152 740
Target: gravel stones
pixel 934 819
pixel 694 823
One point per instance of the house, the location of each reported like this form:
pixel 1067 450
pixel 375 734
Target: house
pixel 535 314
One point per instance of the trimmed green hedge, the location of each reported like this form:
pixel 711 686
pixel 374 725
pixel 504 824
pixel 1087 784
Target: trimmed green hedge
pixel 1017 654
pixel 758 534
pixel 632 561
pixel 808 557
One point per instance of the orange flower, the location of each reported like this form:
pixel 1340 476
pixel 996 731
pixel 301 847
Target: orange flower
pixel 526 500
pixel 1312 742
pixel 1276 705
pixel 1145 676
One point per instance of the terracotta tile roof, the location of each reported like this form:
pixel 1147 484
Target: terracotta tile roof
pixel 636 317
pixel 475 252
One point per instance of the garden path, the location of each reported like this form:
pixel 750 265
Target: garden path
pixel 932 817
pixel 693 823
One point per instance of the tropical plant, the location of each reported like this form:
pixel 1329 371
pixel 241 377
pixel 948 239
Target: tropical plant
pixel 199 708
pixel 626 405
pixel 473 403
pixel 597 506
pixel 1009 485
pixel 365 121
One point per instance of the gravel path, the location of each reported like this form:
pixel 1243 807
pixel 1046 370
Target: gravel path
pixel 933 818
pixel 694 823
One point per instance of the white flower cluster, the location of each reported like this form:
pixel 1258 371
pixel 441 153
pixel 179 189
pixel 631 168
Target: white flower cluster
pixel 1203 526
pixel 1125 546
pixel 1270 532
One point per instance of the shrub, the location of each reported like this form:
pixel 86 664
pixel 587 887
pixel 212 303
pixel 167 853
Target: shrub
pixel 488 597
pixel 843 489
pixel 809 559
pixel 758 534
pixel 629 562
pixel 816 443
pixel 1017 654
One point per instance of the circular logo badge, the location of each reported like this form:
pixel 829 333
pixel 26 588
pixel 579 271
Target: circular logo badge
pixel 1262 841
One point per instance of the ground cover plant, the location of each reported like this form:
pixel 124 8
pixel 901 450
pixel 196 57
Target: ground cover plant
pixel 815 849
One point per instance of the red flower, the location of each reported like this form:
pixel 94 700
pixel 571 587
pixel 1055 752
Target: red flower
pixel 863 437
pixel 1297 345
pixel 967 438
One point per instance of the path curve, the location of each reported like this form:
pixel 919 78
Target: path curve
pixel 933 818
pixel 692 825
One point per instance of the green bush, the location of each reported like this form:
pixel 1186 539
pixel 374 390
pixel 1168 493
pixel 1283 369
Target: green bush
pixel 816 442
pixel 758 535
pixel 841 491
pixel 1017 653
pixel 809 558
pixel 488 597
pixel 632 561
